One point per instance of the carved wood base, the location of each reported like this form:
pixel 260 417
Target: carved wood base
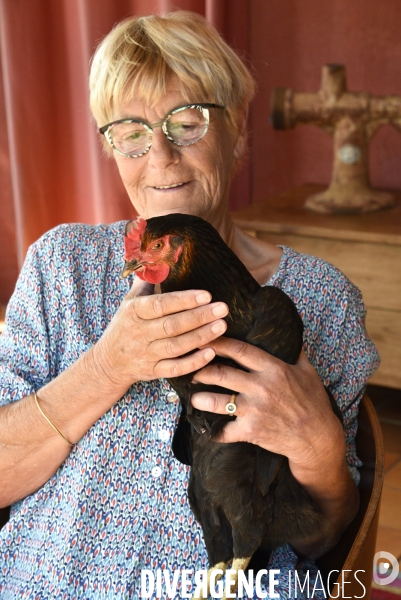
pixel 337 199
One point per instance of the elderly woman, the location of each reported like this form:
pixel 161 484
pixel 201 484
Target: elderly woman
pixel 87 416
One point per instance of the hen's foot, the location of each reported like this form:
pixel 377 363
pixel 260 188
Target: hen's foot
pixel 199 593
pixel 239 564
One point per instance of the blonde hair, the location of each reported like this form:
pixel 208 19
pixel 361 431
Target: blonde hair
pixel 137 58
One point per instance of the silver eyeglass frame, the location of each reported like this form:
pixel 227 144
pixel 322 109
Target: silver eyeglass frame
pixel 202 107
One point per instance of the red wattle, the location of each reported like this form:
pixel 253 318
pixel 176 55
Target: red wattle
pixel 154 273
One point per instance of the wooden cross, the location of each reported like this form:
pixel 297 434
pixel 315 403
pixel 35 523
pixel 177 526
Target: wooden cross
pixel 351 118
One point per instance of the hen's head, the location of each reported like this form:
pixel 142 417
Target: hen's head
pixel 150 252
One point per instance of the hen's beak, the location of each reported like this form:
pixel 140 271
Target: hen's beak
pixel 130 267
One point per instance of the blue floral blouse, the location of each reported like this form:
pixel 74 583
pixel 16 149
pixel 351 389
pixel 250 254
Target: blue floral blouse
pixel 118 504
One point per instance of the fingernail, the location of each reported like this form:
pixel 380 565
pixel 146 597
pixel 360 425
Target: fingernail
pixel 218 327
pixel 203 297
pixel 208 354
pixel 220 310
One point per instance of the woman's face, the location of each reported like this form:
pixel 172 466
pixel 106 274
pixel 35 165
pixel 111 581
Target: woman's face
pixel 201 173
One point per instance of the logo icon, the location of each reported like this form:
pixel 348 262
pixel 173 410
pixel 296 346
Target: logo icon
pixel 388 567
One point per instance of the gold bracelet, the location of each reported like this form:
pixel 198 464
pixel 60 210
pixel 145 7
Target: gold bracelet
pixel 48 420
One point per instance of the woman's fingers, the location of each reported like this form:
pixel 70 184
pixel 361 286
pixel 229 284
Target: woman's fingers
pixel 245 428
pixel 151 334
pixel 216 403
pixel 180 323
pixel 283 408
pixel 224 376
pixel 175 346
pixel 171 315
pixel 248 356
pixel 160 305
pixel 185 364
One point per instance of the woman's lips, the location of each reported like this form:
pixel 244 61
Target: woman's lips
pixel 172 186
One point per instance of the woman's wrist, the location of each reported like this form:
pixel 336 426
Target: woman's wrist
pixel 80 395
pixel 323 459
pixel 103 373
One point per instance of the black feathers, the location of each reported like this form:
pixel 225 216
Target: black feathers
pixel 244 496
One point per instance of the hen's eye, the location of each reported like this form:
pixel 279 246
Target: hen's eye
pixel 158 246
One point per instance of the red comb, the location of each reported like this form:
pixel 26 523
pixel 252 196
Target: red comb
pixel 132 237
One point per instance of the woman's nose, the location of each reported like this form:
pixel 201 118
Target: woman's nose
pixel 163 152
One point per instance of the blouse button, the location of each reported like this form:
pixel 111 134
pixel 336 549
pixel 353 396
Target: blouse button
pixel 163 435
pixel 156 471
pixel 172 397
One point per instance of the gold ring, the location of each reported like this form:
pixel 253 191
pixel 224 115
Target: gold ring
pixel 231 407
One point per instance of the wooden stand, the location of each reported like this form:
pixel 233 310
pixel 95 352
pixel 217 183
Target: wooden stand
pixel 366 247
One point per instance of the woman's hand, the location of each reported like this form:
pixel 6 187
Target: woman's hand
pixel 150 336
pixel 285 409
pixel 144 340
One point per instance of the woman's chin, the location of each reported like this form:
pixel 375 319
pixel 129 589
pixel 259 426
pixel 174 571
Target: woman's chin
pixel 186 199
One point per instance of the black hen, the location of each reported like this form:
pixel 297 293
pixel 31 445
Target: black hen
pixel 245 497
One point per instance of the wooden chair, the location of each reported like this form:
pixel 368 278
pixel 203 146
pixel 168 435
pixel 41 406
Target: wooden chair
pixel 356 548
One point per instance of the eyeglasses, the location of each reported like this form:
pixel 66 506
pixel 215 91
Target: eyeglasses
pixel 183 126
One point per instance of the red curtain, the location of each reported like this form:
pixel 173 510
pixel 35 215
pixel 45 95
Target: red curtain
pixel 52 169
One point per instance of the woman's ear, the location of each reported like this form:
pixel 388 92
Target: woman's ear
pixel 240 146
